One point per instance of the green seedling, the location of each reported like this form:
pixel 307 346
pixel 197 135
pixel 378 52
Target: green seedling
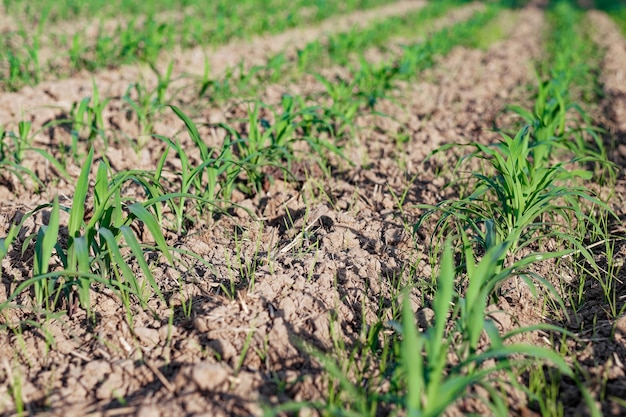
pixel 87 119
pixel 259 148
pixel 274 145
pixel 344 104
pixel 92 251
pixel 22 57
pixel 146 104
pixel 76 52
pixel 273 70
pixel 374 82
pixel 234 80
pixel 549 119
pixel 434 384
pixel 209 183
pixel 14 377
pixel 14 148
pixel 12 153
pixel 519 198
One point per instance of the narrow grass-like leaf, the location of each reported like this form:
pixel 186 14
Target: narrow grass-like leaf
pixel 46 240
pixel 80 196
pixel 135 247
pixel 81 250
pixel 45 245
pixel 129 277
pixel 411 348
pixel 436 346
pixel 139 211
pixel 101 187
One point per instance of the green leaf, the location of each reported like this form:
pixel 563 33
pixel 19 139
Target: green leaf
pixel 436 347
pixel 101 188
pixel 148 219
pixel 118 260
pixel 412 362
pixel 81 250
pixel 48 236
pixel 135 247
pixel 77 212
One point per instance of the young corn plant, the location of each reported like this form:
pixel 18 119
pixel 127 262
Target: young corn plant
pixel 6 242
pixel 305 124
pixel 13 150
pixel 87 120
pixel 272 71
pixel 554 126
pixel 434 383
pixel 22 57
pixel 520 199
pixel 264 144
pixel 374 82
pixel 146 103
pixel 344 103
pixel 93 249
pixel 208 184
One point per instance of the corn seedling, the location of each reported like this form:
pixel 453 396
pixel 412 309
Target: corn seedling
pixel 344 105
pixel 14 148
pixel 374 82
pixel 550 128
pixel 12 153
pixel 264 144
pixel 146 104
pixel 520 198
pixel 433 384
pixel 209 183
pixel 91 252
pixel 87 120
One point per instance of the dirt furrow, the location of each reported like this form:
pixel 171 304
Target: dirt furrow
pixel 466 91
pixel 39 104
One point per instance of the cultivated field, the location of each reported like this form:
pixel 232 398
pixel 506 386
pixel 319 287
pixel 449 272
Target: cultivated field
pixel 334 208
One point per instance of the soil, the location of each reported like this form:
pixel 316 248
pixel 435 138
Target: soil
pixel 301 266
